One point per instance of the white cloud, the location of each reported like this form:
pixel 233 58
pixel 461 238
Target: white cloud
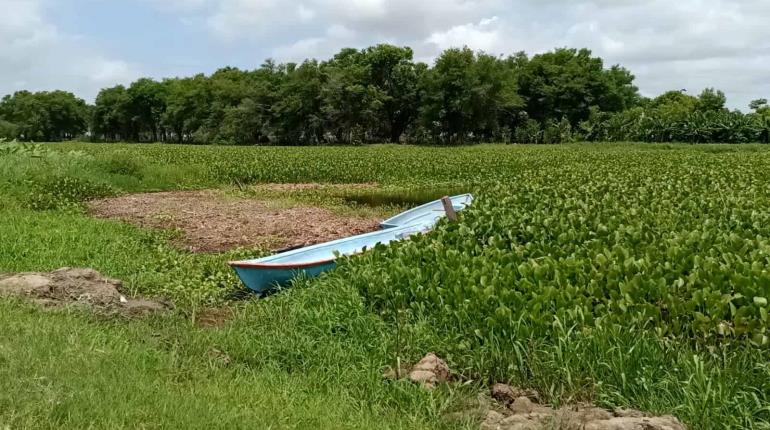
pixel 485 36
pixel 319 48
pixel 35 55
pixel 409 19
pixel 689 44
pixel 180 5
pixel 305 14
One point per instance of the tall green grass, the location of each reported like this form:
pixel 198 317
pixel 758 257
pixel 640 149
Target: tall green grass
pixel 282 363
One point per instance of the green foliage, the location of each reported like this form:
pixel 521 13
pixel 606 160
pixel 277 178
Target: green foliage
pixel 43 116
pixel 123 163
pixel 372 95
pixel 668 123
pixel 468 96
pixel 676 246
pixel 275 362
pixel 21 148
pixel 8 130
pixel 111 117
pixel 396 79
pixel 557 132
pixel 569 82
pixel 711 100
pixel 529 132
pixel 380 94
pixel 63 192
pixel 297 111
pixel 605 273
pixel 759 105
pixel 675 104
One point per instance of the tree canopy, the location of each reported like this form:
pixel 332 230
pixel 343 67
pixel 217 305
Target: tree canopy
pixel 48 116
pixel 381 94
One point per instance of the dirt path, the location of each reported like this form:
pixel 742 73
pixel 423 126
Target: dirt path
pixel 212 222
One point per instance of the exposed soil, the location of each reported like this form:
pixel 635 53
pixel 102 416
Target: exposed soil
pixel 523 414
pixel 214 317
pixel 212 222
pixel 76 287
pixel 511 408
pixel 520 410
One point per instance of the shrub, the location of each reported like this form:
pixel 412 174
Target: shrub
pixel 62 192
pixel 529 132
pixel 122 164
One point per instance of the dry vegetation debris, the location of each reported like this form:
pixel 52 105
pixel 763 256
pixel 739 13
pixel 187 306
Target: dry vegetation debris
pixel 212 222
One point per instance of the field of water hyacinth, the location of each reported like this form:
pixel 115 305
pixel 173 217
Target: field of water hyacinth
pixel 624 275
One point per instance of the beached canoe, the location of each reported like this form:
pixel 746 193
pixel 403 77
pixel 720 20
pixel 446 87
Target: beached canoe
pixel 266 273
pixel 428 214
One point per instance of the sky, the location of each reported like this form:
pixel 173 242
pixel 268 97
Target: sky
pixel 85 45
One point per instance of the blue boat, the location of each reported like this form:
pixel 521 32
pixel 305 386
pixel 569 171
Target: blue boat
pixel 264 274
pixel 427 214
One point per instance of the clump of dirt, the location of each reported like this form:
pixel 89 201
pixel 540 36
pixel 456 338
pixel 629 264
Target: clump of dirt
pixel 82 287
pixel 519 409
pixel 429 372
pixel 212 222
pixel 522 413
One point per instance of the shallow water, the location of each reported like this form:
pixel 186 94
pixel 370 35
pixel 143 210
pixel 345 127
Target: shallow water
pixel 396 197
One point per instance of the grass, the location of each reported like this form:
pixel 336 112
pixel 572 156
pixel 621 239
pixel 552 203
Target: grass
pixel 312 356
pixel 73 370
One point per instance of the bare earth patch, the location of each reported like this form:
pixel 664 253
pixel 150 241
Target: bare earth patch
pixel 522 411
pixel 517 409
pixel 76 287
pixel 212 222
pixel 214 317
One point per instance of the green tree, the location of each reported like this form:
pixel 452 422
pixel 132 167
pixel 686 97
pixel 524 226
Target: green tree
pixel 45 116
pixel 619 93
pixel 297 117
pixel 350 104
pixel 468 95
pixel 8 130
pixel 567 83
pixel 711 100
pixel 674 104
pixel 759 106
pixel 395 78
pixel 230 87
pixel 188 103
pixel 147 103
pixel 111 118
pixel 495 99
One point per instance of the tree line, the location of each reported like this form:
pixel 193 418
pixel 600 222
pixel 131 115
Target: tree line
pixel 380 94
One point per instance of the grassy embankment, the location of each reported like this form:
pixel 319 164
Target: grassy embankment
pixel 312 356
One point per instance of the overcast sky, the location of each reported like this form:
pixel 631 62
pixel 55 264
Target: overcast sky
pixel 85 45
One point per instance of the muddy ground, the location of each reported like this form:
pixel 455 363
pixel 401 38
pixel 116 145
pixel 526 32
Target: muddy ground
pixel 210 221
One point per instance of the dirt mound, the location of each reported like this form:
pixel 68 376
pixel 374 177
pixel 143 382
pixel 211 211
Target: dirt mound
pixel 68 286
pixel 429 372
pixel 212 222
pixel 522 413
